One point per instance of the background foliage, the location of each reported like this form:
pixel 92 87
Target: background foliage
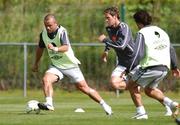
pixel 22 21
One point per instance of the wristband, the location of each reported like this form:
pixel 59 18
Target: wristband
pixel 56 49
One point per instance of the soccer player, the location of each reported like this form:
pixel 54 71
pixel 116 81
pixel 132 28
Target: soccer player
pixel 63 62
pixel 156 57
pixel 121 40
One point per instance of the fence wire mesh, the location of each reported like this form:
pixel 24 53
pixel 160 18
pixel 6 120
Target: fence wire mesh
pixel 17 63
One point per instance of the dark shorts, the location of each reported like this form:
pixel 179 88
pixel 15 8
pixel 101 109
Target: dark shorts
pixel 148 77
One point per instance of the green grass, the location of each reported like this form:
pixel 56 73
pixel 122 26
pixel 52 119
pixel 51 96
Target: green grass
pixel 12 109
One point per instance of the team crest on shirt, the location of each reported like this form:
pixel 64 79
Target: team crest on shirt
pixel 114 38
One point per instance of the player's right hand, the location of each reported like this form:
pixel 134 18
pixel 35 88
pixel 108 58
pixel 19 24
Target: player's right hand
pixel 101 38
pixel 104 56
pixel 176 73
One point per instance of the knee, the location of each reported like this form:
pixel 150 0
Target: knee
pixel 45 80
pixel 82 86
pixel 133 87
pixel 85 89
pixel 113 83
pixel 120 84
pixel 116 83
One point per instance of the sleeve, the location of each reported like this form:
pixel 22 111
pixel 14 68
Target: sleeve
pixel 173 57
pixel 107 48
pixel 123 37
pixel 139 50
pixel 41 42
pixel 140 46
pixel 64 39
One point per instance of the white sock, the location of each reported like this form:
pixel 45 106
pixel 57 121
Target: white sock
pixel 140 110
pixel 168 109
pixel 102 102
pixel 167 101
pixel 49 100
pixel 106 107
pixel 170 103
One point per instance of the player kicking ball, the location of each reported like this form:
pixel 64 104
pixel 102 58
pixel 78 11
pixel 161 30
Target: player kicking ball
pixel 63 63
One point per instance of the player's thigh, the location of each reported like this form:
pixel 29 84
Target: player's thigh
pixel 118 74
pixel 118 71
pixel 115 79
pixel 74 74
pixel 83 86
pixel 50 78
pixel 56 71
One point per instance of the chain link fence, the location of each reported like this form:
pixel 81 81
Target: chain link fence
pixel 16 67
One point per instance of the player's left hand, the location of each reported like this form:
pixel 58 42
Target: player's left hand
pixel 51 47
pixel 35 68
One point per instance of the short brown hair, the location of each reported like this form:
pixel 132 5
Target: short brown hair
pixel 112 11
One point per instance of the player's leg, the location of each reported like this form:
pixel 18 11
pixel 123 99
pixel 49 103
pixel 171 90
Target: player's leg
pixel 118 78
pixel 82 85
pixel 168 111
pixel 118 83
pixel 135 93
pixel 51 76
pixel 77 78
pixel 152 91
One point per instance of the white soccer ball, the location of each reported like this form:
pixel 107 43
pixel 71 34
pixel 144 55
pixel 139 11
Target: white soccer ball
pixel 32 106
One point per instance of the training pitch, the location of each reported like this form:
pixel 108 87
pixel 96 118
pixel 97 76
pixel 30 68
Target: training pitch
pixel 12 109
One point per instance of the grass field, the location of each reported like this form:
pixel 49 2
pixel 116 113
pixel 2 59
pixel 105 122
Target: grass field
pixel 12 109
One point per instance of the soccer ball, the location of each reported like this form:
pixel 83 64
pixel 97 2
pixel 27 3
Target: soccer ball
pixel 32 106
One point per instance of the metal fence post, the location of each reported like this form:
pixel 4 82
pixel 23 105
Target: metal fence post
pixel 25 69
pixel 123 9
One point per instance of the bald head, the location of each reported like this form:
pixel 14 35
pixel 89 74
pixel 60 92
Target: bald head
pixel 49 16
pixel 50 23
